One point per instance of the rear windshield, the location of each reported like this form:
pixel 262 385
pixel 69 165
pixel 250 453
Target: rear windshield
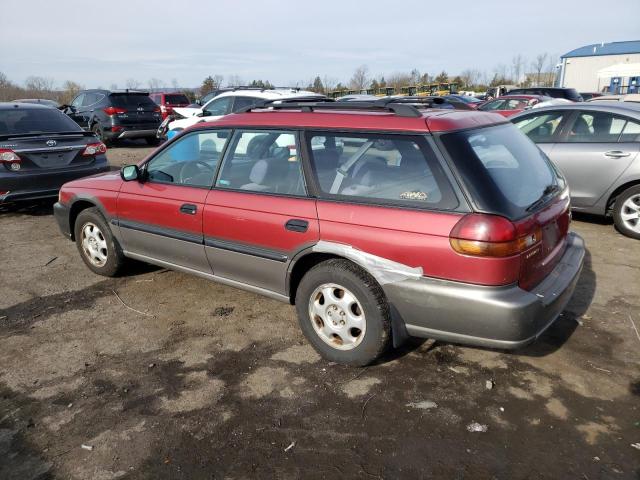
pixel 177 99
pixel 32 120
pixel 131 100
pixel 504 171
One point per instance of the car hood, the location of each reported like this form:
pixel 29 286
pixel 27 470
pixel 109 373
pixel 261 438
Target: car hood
pixel 187 122
pixel 187 111
pixel 104 181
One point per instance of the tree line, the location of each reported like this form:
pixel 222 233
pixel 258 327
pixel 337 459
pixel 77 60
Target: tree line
pixel 540 71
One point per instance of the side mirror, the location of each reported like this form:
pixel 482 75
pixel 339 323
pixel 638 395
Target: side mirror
pixel 129 173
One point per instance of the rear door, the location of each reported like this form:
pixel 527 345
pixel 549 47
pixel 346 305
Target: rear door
pixel 73 110
pixel 259 215
pixel 160 218
pixel 592 153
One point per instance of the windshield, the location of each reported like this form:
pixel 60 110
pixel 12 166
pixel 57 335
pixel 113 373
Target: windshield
pixel 32 120
pixel 131 100
pixel 504 171
pixel 176 99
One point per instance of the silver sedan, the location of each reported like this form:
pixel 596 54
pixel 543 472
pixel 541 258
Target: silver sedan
pixel 596 145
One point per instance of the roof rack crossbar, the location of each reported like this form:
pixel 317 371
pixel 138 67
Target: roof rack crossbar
pixel 388 105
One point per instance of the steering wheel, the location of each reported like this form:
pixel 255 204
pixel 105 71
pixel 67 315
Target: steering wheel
pixel 196 164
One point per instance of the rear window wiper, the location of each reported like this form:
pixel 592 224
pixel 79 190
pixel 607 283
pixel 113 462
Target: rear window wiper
pixel 548 190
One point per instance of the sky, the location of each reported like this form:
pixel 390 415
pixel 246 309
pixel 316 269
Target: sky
pixel 288 42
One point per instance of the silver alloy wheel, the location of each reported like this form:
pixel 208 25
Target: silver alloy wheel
pixel 94 244
pixel 337 316
pixel 630 213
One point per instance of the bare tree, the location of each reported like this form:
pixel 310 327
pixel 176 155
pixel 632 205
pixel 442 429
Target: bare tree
pixel 360 78
pixel 538 65
pixel 113 86
pixel 234 81
pixel 154 84
pixel 70 90
pixel 551 70
pixel 174 83
pixel 39 84
pixel 132 83
pixel 517 67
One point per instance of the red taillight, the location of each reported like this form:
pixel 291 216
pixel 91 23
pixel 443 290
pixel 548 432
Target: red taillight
pixel 490 236
pixel 114 110
pixel 10 159
pixel 117 128
pixel 157 110
pixel 94 149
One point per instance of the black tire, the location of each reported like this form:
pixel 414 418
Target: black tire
pixel 152 141
pixel 619 210
pixel 369 295
pixel 97 129
pixel 115 259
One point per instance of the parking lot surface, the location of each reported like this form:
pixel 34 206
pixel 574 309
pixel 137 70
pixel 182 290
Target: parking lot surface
pixel 157 374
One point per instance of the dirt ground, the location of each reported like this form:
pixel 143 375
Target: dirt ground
pixel 161 375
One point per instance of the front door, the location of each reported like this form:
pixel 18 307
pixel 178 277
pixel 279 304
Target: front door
pixel 258 216
pixel 593 152
pixel 160 218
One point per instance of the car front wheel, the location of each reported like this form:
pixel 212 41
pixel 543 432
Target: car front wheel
pixel 343 313
pixel 98 248
pixel 626 212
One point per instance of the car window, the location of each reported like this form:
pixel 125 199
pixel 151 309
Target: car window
pixel 131 100
pixel 78 100
pixel 91 98
pixel 243 102
pixel 540 128
pixel 48 120
pixel 176 99
pixel 492 105
pixel 596 127
pixel 504 171
pixel 379 168
pixel 218 107
pixel 263 161
pixel 191 160
pixel 631 132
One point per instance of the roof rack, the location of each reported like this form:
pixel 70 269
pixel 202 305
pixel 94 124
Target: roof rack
pixel 261 89
pixel 401 106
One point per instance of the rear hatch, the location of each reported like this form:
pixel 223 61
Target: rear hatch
pixel 507 175
pixel 137 110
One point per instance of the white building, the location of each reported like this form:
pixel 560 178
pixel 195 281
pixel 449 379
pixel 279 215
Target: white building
pixel 613 67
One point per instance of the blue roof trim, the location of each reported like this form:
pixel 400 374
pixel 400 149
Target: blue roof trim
pixel 597 49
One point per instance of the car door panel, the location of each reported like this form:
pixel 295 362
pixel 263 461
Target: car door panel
pixel 247 238
pixel 154 223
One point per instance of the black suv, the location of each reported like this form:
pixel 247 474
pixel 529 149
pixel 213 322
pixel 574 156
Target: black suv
pixel 554 92
pixel 117 114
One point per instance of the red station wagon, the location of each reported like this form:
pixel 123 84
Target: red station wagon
pixel 377 220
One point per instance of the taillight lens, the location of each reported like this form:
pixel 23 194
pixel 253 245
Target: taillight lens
pixel 10 159
pixel 490 236
pixel 94 149
pixel 157 110
pixel 114 110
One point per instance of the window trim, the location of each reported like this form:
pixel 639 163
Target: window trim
pixel 145 165
pixel 294 131
pixel 418 138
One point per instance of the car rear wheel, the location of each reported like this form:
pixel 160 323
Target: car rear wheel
pixel 98 248
pixel 626 212
pixel 343 313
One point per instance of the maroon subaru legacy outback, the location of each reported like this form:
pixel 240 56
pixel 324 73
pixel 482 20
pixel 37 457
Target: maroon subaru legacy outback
pixel 377 220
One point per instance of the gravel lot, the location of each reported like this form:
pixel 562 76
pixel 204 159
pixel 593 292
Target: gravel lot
pixel 163 375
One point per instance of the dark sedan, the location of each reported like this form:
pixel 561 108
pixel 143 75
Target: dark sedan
pixel 40 149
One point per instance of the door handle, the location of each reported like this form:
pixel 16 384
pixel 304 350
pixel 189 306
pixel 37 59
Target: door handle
pixel 297 225
pixel 616 154
pixel 188 208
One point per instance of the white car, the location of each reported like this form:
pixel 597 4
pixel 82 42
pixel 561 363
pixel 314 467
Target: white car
pixel 230 102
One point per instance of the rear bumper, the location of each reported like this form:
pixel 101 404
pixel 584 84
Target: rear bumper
pixel 497 317
pixel 61 212
pixel 26 186
pixel 143 131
